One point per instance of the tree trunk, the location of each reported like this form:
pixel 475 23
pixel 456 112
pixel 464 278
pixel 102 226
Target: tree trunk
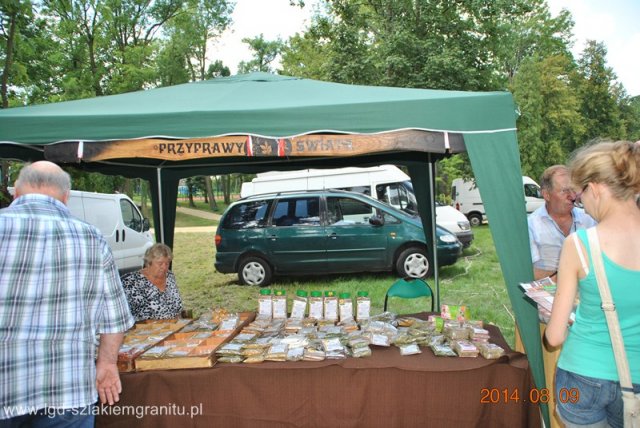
pixel 143 197
pixel 127 187
pixel 8 61
pixel 209 193
pixel 226 188
pixel 5 196
pixel 192 204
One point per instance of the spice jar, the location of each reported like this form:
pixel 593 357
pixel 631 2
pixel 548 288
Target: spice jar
pixel 363 306
pixel 299 306
pixel 316 305
pixel 345 306
pixel 265 308
pixel 330 306
pixel 279 304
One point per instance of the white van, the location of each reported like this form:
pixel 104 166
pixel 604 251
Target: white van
pixel 119 221
pixel 465 197
pixel 386 183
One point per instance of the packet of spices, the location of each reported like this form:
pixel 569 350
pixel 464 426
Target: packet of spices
pixel 230 349
pixel 490 351
pixel 277 352
pixel 464 348
pixel 443 351
pixel 295 354
pixel 230 359
pixel 410 349
pixel 313 354
pixel 156 352
pixel 258 358
pixel 361 352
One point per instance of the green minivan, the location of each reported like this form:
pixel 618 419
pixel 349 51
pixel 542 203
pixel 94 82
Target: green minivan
pixel 321 232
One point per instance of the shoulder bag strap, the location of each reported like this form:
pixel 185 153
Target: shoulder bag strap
pixel 610 312
pixel 576 241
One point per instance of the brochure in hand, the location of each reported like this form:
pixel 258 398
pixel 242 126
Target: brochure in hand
pixel 540 291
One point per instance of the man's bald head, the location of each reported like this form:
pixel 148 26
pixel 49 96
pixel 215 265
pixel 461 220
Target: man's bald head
pixel 45 178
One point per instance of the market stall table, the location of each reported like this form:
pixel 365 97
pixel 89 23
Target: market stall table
pixel 384 390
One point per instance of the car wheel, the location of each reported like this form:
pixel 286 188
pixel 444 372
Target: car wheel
pixel 413 262
pixel 475 219
pixel 254 271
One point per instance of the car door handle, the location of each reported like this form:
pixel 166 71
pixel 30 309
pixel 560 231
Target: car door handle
pixel 333 236
pixel 273 237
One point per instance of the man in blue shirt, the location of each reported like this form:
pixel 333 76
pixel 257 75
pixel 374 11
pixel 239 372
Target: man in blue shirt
pixel 59 288
pixel 550 224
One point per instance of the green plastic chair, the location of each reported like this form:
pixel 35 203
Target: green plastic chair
pixel 409 288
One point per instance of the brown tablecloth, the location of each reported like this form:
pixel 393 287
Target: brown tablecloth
pixel 384 390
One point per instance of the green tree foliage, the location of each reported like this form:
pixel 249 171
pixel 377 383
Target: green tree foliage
pixel 102 47
pixel 631 114
pixel 264 53
pixel 550 125
pixel 217 69
pixel 189 34
pixel 526 29
pixel 438 44
pixel 600 97
pixel 27 75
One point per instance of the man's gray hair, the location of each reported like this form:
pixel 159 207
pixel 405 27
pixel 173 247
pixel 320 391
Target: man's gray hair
pixel 546 180
pixel 39 175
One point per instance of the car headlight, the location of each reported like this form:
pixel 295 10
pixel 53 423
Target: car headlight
pixel 464 225
pixel 449 239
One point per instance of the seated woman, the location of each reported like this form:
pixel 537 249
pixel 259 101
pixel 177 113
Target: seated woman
pixel 152 291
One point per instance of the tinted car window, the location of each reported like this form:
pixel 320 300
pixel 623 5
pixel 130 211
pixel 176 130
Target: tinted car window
pixel 297 212
pixel 247 215
pixel 345 211
pixel 397 195
pixel 130 215
pixel 388 218
pixel 532 190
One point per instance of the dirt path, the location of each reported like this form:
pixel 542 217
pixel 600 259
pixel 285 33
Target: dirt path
pixel 199 213
pixel 196 229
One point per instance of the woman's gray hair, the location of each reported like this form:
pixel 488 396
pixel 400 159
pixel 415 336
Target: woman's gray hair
pixel 157 251
pixel 44 174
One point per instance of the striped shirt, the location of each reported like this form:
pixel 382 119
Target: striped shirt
pixel 59 287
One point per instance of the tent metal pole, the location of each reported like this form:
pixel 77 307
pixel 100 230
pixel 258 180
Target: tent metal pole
pixel 434 243
pixel 160 207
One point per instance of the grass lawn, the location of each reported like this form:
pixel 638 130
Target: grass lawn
pixel 475 280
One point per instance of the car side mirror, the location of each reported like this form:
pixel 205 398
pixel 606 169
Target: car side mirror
pixel 376 220
pixel 145 224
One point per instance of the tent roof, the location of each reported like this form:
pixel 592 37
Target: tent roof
pixel 259 104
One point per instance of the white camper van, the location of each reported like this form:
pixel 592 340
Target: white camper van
pixel 465 197
pixel 119 221
pixel 386 182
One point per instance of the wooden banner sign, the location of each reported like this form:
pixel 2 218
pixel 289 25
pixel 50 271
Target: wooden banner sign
pixel 317 145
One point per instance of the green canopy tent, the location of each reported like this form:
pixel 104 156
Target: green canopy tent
pixel 260 122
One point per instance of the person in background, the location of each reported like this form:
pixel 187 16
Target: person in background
pixel 152 291
pixel 608 177
pixel 59 287
pixel 550 224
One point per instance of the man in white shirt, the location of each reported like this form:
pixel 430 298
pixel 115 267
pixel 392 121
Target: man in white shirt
pixel 550 224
